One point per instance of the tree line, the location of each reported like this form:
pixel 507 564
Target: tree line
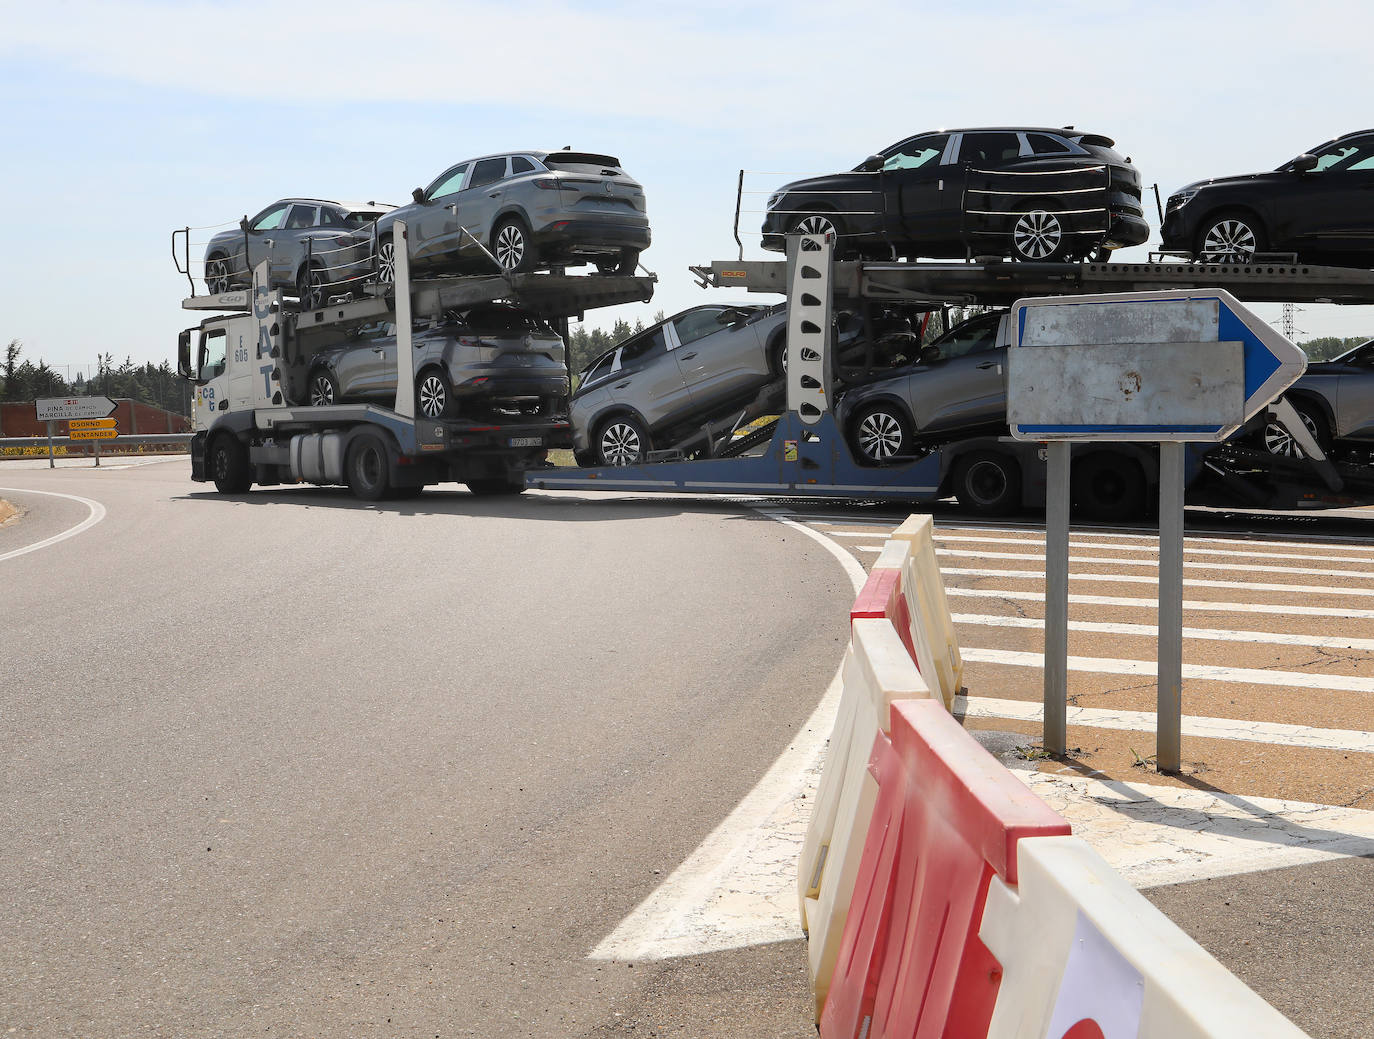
pixel 158 385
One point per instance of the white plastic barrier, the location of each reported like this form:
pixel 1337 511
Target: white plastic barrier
pixel 1084 954
pixel 877 672
pixel 927 606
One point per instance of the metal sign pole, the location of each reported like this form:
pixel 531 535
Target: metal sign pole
pixel 1169 716
pixel 1055 737
pixel 97 452
pixel 51 463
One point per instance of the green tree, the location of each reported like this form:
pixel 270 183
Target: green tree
pixel 12 390
pixel 1327 347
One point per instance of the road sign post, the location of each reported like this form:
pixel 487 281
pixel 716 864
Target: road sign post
pixel 1168 367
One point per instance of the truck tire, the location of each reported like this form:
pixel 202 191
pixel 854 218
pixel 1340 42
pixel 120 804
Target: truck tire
pixel 229 466
pixel 988 483
pixel 1107 486
pixel 369 468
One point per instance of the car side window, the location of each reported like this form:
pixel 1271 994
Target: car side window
pixel 697 324
pixel 449 183
pixel 301 217
pixel 990 149
pixel 488 171
pixel 645 348
pixel 1044 144
pixel 331 217
pixel 970 338
pixel 269 221
pixel 913 154
pixel 213 348
pixel 1364 157
pixel 520 164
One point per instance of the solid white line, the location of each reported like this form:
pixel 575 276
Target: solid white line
pixel 729 892
pixel 1242 567
pixel 1196 537
pixel 96 514
pixel 1302 736
pixel 1272 638
pixel 1196 672
pixel 1039 575
pixel 1201 606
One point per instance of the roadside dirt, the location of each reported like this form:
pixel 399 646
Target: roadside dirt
pixel 7 512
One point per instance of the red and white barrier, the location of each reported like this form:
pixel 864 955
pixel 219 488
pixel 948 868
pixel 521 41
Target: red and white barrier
pixel 877 673
pixel 947 820
pixel 1083 954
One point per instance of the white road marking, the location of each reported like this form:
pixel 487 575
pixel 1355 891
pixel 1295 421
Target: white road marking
pixel 1273 638
pixel 739 888
pixel 1188 549
pixel 1108 560
pixel 1193 672
pixel 1156 835
pixel 1200 605
pixel 1301 736
pixel 96 514
pixel 1189 582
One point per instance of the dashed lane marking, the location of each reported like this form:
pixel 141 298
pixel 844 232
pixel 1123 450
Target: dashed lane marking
pixel 1194 672
pixel 1273 638
pixel 1301 736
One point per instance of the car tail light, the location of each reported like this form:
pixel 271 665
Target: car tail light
pixel 546 183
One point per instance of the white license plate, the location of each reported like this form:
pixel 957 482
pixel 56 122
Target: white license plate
pixel 526 441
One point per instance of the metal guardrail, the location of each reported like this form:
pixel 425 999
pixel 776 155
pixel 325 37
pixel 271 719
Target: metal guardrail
pixel 121 441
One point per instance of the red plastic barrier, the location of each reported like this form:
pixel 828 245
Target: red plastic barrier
pixel 947 819
pixel 881 596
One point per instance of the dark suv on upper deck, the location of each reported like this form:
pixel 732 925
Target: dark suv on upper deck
pixel 1033 193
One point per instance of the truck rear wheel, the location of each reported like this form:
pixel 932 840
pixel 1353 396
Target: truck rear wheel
pixel 489 486
pixel 229 466
pixel 369 468
pixel 1109 487
pixel 988 483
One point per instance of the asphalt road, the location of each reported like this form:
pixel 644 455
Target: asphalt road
pixel 287 764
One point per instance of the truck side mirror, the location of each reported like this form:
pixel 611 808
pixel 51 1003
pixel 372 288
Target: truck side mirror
pixel 184 354
pixel 1305 163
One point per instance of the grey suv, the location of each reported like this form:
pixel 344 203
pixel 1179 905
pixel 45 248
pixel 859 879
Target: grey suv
pixel 677 373
pixel 1335 400
pixel 954 387
pixel 493 362
pixel 529 210
pixel 311 246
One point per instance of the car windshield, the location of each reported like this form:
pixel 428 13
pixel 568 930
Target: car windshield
pixel 1345 154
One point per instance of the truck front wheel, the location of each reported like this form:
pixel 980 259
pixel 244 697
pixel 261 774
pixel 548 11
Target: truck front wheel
pixel 369 469
pixel 229 466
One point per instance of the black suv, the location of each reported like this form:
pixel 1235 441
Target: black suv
pixel 1319 206
pixel 1029 192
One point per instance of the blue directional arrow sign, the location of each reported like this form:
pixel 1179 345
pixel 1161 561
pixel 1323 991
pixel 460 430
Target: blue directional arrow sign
pixel 1178 365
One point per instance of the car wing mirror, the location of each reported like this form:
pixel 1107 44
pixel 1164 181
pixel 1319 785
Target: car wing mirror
pixel 1305 163
pixel 929 354
pixel 243 225
pixel 418 194
pixel 872 164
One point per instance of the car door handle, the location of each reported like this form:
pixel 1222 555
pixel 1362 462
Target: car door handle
pixel 987 364
pixel 494 194
pixel 622 385
pixel 688 357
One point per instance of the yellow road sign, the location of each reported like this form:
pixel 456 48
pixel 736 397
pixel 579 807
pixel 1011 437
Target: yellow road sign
pixel 108 433
pixel 87 424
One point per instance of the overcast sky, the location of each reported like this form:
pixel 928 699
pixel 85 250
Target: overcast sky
pixel 124 120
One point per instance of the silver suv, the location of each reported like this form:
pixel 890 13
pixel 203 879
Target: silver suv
pixel 313 247
pixel 955 387
pixel 529 210
pixel 672 376
pixel 489 363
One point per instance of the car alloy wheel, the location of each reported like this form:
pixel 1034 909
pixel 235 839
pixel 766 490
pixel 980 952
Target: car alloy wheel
pixel 1278 441
pixel 817 224
pixel 1229 240
pixel 216 275
pixel 880 435
pixel 432 394
pixel 1037 235
pixel 386 263
pixel 322 390
pixel 310 289
pixel 621 443
pixel 511 246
